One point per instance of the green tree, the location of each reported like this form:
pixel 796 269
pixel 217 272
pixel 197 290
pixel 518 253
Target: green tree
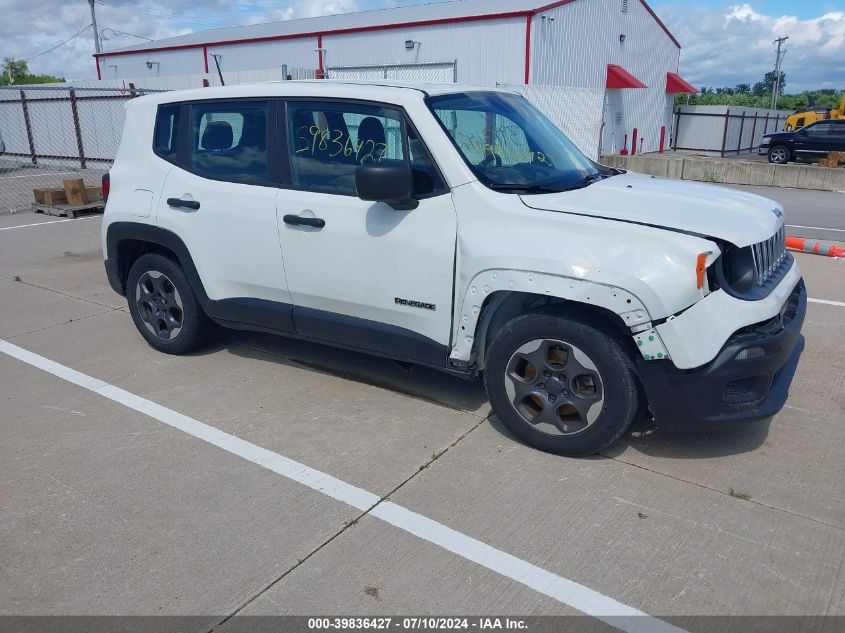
pixel 769 82
pixel 16 71
pixel 743 89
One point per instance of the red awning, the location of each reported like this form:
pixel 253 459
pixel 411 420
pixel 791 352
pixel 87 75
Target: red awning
pixel 618 77
pixel 675 83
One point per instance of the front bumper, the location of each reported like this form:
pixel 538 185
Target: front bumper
pixel 763 150
pixel 748 380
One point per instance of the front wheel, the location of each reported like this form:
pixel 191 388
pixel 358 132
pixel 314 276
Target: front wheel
pixel 560 384
pixel 779 154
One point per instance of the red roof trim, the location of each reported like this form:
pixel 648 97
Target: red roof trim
pixel 618 77
pixel 675 84
pixel 553 5
pixel 355 29
pixel 527 48
pixel 660 22
pixel 377 27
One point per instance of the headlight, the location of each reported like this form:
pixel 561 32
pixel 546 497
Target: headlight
pixel 738 269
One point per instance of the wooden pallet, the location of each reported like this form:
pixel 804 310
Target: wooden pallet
pixel 69 210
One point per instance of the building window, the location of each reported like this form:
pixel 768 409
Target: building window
pixel 329 140
pixel 229 141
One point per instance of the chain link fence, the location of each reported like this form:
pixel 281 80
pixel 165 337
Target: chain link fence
pixel 52 134
pixel 430 72
pixel 576 111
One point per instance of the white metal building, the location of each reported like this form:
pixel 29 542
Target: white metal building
pixel 617 46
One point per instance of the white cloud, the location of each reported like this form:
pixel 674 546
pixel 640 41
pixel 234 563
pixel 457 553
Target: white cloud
pixel 29 27
pixel 722 46
pixel 733 45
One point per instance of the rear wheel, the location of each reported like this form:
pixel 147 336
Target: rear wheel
pixel 560 384
pixel 779 154
pixel 164 307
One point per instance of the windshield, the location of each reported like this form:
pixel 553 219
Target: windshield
pixel 510 145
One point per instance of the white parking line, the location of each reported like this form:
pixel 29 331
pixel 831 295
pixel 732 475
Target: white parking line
pixel 61 173
pixel 828 302
pixel 818 228
pixel 26 226
pixel 557 587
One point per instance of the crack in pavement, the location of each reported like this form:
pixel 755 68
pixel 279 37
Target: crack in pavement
pixel 349 524
pixel 18 279
pixel 723 492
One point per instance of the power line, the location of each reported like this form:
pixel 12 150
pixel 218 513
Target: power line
pixel 174 16
pixel 116 32
pixel 50 50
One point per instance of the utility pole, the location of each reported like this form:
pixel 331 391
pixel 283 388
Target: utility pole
pixel 94 26
pixel 778 59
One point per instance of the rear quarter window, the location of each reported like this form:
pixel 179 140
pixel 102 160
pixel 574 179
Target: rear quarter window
pixel 165 134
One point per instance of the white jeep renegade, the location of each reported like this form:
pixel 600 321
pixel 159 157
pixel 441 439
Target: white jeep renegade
pixel 454 227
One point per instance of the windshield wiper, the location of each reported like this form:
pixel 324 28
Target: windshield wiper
pixel 586 180
pixel 527 188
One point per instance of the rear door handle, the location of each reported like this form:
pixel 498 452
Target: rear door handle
pixel 187 204
pixel 298 220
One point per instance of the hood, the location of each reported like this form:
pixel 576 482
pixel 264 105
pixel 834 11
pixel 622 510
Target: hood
pixel 702 209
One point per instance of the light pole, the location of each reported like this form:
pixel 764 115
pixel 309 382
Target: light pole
pixel 94 26
pixel 778 59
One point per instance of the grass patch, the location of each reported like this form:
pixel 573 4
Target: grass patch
pixel 739 495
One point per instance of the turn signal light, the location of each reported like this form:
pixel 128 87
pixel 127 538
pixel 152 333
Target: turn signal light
pixel 700 269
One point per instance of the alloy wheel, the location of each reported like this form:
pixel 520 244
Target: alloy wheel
pixel 779 155
pixel 159 305
pixel 554 386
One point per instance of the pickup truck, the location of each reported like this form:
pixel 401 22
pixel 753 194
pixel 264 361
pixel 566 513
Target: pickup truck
pixel 454 227
pixel 808 143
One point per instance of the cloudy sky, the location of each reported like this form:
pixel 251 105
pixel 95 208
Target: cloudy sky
pixel 724 42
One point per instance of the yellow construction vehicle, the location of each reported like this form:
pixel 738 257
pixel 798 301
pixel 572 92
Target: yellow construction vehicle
pixel 813 113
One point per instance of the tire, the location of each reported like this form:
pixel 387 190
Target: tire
pixel 779 154
pixel 164 307
pixel 588 376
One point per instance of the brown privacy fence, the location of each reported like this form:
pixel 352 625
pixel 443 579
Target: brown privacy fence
pixel 723 131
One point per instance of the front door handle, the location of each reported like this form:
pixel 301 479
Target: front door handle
pixel 298 220
pixel 187 204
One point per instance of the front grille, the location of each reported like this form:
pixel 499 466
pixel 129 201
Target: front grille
pixel 768 256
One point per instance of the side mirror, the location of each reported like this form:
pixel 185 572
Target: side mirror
pixel 391 184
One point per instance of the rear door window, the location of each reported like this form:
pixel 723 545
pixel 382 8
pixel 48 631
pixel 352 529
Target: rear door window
pixel 229 141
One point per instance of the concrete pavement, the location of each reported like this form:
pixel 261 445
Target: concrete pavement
pixel 110 511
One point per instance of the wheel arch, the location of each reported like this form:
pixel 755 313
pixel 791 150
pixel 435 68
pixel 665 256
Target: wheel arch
pixel 127 241
pixel 496 297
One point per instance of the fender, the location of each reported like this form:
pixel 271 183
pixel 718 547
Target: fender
pixel 630 309
pixel 118 232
